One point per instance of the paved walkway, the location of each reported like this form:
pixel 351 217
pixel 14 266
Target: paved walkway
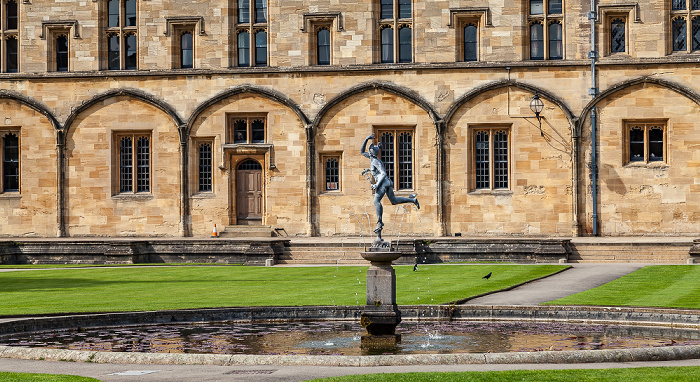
pixel 573 280
pixel 580 277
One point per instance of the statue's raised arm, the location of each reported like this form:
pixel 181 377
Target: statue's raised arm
pixel 363 150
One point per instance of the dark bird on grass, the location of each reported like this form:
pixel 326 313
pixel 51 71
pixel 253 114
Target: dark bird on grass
pixel 415 267
pixel 487 276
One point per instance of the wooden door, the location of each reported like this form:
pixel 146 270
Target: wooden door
pixel 249 193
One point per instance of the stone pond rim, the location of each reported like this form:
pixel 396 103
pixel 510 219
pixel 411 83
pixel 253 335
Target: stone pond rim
pixel 666 317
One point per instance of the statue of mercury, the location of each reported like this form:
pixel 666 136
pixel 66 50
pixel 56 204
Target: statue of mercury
pixel 382 184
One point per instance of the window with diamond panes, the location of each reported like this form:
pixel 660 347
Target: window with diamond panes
pixel 617 35
pixel 679 34
pixel 685 25
pixel 397 154
pixel 9 144
pixel 645 142
pixel 246 129
pixel 491 162
pixel 331 169
pixel 134 163
pixel 205 166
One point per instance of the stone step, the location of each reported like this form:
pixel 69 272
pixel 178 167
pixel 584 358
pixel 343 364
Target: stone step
pixel 232 231
pixel 629 253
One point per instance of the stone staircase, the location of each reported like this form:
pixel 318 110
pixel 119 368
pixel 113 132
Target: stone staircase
pixel 630 252
pixel 236 231
pixel 329 253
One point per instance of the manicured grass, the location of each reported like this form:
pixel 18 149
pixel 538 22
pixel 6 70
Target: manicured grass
pixel 656 374
pixel 27 377
pixel 672 286
pixel 184 287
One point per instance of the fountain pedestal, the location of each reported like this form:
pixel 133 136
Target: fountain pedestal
pixel 381 314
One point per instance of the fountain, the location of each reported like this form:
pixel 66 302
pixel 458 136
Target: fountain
pixel 381 315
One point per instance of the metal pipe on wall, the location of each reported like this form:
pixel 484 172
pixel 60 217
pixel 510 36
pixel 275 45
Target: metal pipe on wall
pixel 593 92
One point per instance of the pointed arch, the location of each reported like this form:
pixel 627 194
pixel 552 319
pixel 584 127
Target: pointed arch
pixel 464 99
pixel 32 104
pixel 680 89
pixel 264 92
pixel 130 93
pixel 388 87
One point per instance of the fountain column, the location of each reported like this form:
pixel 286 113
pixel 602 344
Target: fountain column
pixel 381 314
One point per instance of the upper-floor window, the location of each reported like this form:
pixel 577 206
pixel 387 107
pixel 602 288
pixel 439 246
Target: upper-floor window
pixel 243 128
pixel 9 36
pixel 396 152
pixel 251 31
pixel 121 35
pixel 546 29
pixel 9 152
pixel 471 43
pixel 186 50
pixel 62 53
pixel 618 35
pixel 685 25
pixel 395 24
pixel 323 46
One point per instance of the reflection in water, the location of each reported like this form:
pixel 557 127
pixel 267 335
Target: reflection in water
pixel 343 338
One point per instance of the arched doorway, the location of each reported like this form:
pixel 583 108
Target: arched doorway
pixel 249 193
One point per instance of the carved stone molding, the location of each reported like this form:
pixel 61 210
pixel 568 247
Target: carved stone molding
pixel 629 8
pixel 320 17
pixel 197 21
pixel 61 24
pixel 457 13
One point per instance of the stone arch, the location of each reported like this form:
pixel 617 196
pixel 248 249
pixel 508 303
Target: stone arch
pixel 386 86
pixel 682 90
pixel 31 103
pixel 267 93
pixel 461 101
pixel 130 93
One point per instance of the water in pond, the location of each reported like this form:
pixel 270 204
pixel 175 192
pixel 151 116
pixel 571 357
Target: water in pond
pixel 343 338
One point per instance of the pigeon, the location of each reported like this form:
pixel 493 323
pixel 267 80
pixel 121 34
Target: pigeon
pixel 487 276
pixel 415 267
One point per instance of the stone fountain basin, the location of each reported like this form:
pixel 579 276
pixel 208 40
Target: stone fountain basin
pixel 381 257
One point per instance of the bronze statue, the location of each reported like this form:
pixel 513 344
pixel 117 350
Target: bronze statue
pixel 382 184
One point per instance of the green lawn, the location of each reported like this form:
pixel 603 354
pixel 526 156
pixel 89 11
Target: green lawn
pixel 656 374
pixel 672 286
pixel 26 377
pixel 157 288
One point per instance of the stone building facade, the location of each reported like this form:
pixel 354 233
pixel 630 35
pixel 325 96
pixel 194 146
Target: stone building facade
pixel 163 118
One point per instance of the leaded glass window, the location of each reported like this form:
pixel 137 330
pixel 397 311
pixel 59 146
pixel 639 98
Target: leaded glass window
pixel 678 28
pixel 617 35
pixel 678 5
pixel 696 33
pixel 10 163
pixel 205 167
pixel 134 163
pixel 386 154
pixel 491 158
pixel 244 129
pixel 396 151
pixel 645 141
pixel 331 166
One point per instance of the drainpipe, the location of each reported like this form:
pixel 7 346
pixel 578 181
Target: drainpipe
pixel 593 92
